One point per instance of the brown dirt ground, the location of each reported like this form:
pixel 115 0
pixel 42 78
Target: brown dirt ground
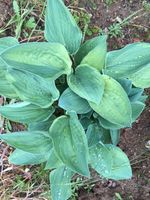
pixel 4 11
pixel 133 141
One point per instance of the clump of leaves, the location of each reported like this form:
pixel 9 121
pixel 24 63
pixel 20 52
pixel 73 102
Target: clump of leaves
pixel 74 96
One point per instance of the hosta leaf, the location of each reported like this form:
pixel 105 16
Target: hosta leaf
pixel 108 125
pixel 25 112
pixel 71 101
pixel 93 52
pixel 101 159
pixel 88 83
pixel 60 182
pixel 85 122
pixel 141 78
pixel 6 88
pixel 33 88
pixel 137 108
pixel 70 143
pixel 96 134
pixel 3 66
pixel 128 60
pixel 7 42
pixel 143 98
pixel 61 27
pixel 115 105
pixel 19 157
pixel 121 168
pixel 110 162
pixel 49 60
pixel 41 126
pixel 126 84
pixel 53 161
pixel 32 142
pixel 88 115
pixel 135 94
pixel 86 119
pixel 115 136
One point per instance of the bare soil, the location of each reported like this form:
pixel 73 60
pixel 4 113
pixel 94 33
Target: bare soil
pixel 134 141
pixel 5 10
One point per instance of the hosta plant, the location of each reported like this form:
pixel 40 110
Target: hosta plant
pixel 74 97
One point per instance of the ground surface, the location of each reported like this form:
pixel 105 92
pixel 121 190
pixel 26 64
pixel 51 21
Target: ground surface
pixel 16 182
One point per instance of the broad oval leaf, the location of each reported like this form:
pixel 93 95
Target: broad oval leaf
pixel 141 78
pixel 60 183
pixel 101 159
pixel 7 42
pixel 115 105
pixel 32 142
pixel 126 84
pixel 107 124
pixel 71 101
pixel 49 60
pixel 25 112
pixel 41 126
pixel 93 52
pixel 33 88
pixel 6 89
pixel 19 157
pixel 53 161
pixel 96 134
pixel 143 98
pixel 115 136
pixel 88 83
pixel 128 60
pixel 85 122
pixel 110 162
pixel 135 94
pixel 70 143
pixel 61 27
pixel 137 108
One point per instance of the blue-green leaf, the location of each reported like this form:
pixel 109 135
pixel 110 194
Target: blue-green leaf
pixel 108 125
pixel 129 60
pixel 6 88
pixel 49 60
pixel 33 88
pixel 141 78
pixel 137 108
pixel 7 42
pixel 25 112
pixel 19 157
pixel 41 126
pixel 53 161
pixel 143 98
pixel 126 84
pixel 110 162
pixel 115 136
pixel 61 27
pixel 85 121
pixel 96 134
pixel 88 83
pixel 60 182
pixel 32 142
pixel 70 143
pixel 115 105
pixel 71 101
pixel 135 94
pixel 93 52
